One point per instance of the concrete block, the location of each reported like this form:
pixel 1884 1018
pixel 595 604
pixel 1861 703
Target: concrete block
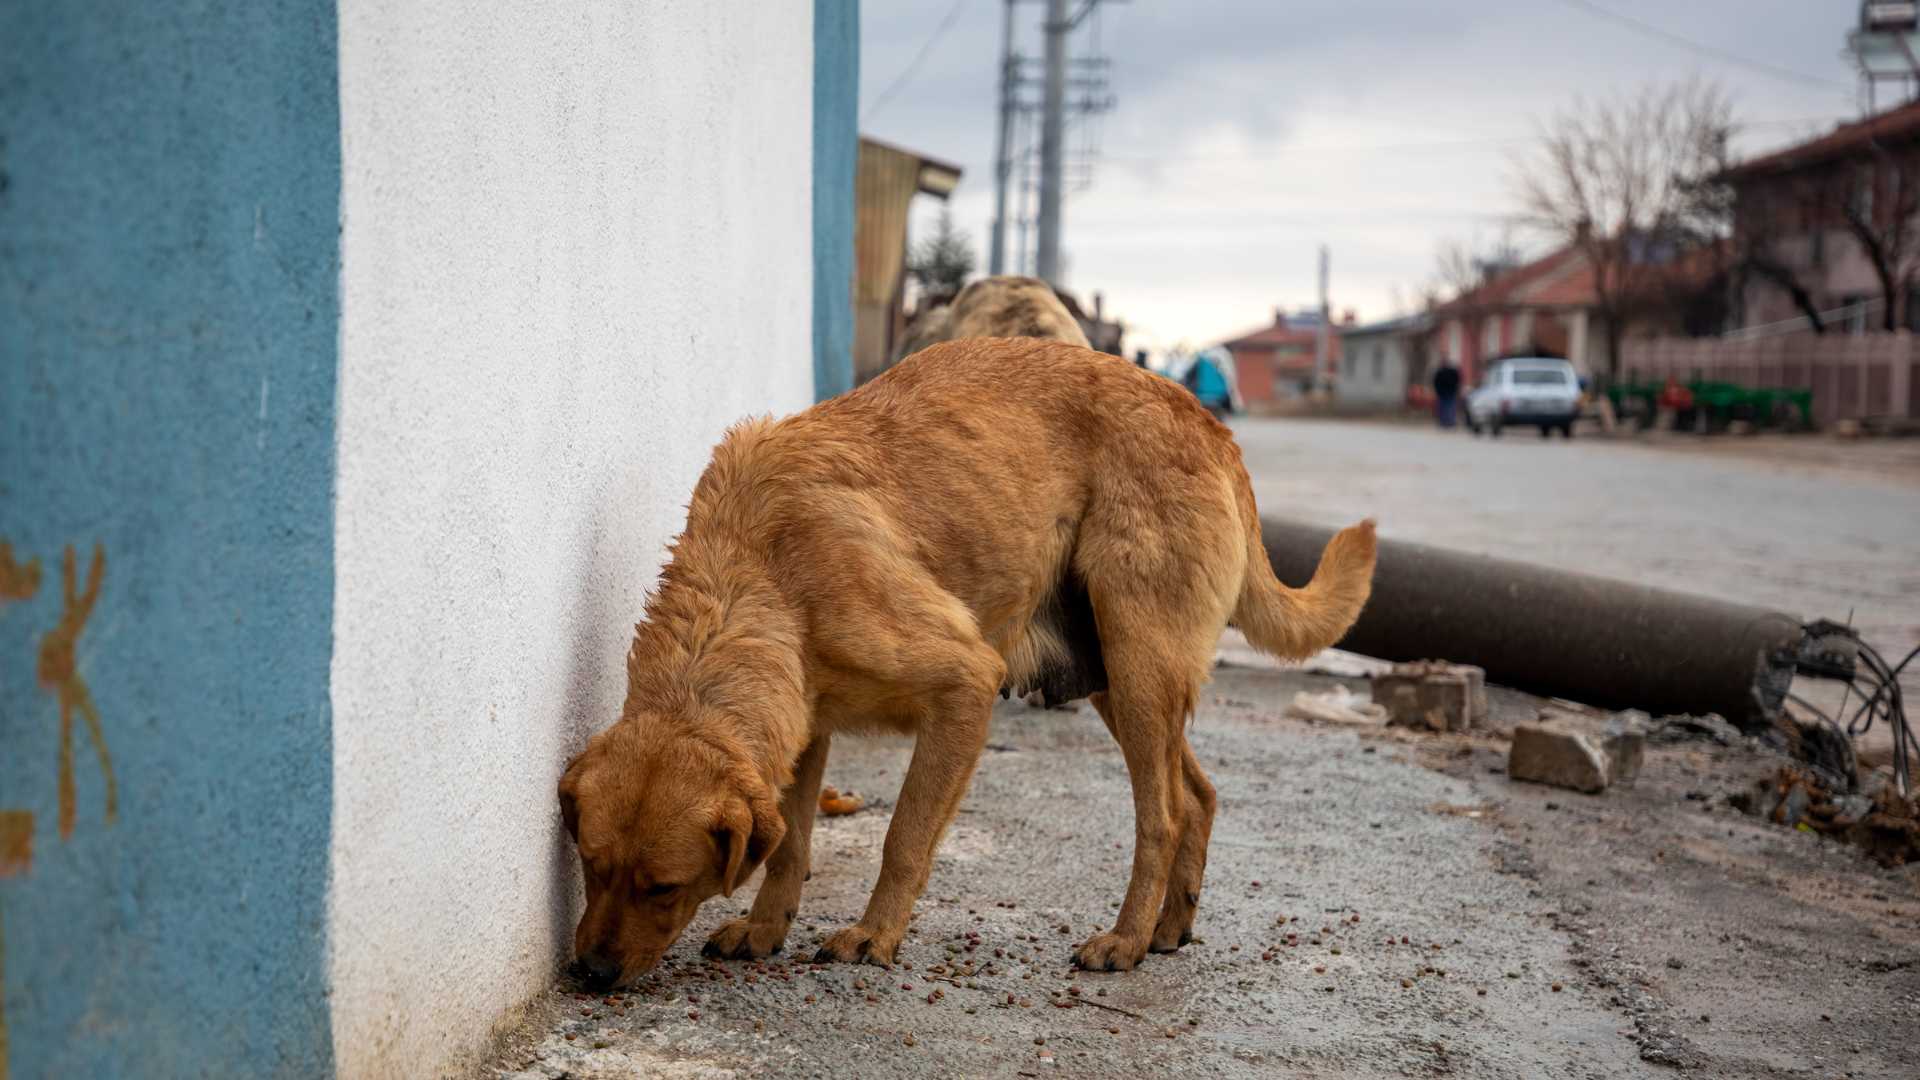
pixel 1559 756
pixel 1625 743
pixel 1433 695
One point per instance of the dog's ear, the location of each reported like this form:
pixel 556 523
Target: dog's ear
pixel 747 834
pixel 569 802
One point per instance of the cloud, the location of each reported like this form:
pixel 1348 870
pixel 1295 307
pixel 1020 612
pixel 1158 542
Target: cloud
pixel 1247 134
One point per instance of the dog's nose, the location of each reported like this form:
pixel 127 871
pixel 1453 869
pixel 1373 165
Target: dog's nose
pixel 598 972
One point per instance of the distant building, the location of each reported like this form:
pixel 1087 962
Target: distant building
pixel 1379 361
pixel 885 183
pixel 1792 212
pixel 1544 307
pixel 1275 363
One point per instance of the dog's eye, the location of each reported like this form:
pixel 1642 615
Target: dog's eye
pixel 659 891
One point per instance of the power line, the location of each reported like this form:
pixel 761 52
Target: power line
pixel 1310 151
pixel 1670 37
pixel 900 81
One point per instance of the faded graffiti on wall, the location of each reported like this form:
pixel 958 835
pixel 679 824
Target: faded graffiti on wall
pixel 59 675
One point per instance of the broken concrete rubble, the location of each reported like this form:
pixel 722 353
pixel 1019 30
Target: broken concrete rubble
pixel 1566 750
pixel 1885 825
pixel 1559 756
pixel 1625 743
pixel 1710 727
pixel 1434 695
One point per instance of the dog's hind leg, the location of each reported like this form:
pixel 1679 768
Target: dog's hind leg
pixel 1161 586
pixel 1144 710
pixel 764 929
pixel 1175 927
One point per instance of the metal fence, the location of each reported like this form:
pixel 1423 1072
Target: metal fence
pixel 1852 376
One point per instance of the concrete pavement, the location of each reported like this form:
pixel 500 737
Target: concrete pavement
pixel 1316 828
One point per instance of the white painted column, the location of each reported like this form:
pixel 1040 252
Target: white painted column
pixel 576 245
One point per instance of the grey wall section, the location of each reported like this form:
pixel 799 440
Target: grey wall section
pixel 169 201
pixel 836 143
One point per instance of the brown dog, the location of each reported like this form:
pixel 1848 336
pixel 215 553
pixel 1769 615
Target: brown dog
pixel 887 560
pixel 1008 306
pixel 1003 306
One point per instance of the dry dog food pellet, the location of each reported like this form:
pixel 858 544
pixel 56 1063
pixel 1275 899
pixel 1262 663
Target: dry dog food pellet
pixel 908 1040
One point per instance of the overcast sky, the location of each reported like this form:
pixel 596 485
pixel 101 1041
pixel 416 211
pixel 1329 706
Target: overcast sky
pixel 1247 133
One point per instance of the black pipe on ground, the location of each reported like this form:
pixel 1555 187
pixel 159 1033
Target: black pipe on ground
pixel 1557 634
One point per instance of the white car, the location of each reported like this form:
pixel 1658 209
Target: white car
pixel 1528 391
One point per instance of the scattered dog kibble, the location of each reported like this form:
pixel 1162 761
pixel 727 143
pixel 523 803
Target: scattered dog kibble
pixel 908 1040
pixel 1556 988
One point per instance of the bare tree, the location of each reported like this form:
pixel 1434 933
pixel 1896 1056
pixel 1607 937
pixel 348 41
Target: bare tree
pixel 1881 197
pixel 1754 247
pixel 1617 180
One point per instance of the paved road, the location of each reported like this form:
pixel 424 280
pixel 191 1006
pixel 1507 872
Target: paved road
pixel 1684 939
pixel 1807 525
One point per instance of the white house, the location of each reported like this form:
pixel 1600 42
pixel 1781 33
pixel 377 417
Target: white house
pixel 1379 361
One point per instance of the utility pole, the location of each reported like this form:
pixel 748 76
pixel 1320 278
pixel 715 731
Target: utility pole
pixel 1003 161
pixel 1052 139
pixel 1322 376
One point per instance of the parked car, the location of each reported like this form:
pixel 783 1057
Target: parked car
pixel 1529 391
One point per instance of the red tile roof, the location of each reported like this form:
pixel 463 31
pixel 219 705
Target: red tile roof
pixel 1293 346
pixel 1561 277
pixel 1894 125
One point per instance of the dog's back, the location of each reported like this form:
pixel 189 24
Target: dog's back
pixel 1013 307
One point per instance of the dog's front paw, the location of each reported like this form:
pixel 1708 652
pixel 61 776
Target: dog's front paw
pixel 1109 952
pixel 744 939
pixel 857 944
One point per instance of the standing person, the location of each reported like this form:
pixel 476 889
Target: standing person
pixel 1446 392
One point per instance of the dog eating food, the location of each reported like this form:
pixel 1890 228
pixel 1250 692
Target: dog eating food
pixel 989 512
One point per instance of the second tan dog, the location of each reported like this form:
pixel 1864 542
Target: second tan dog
pixel 887 560
pixel 1002 306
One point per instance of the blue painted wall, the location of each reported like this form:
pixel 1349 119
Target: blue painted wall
pixel 836 148
pixel 168 320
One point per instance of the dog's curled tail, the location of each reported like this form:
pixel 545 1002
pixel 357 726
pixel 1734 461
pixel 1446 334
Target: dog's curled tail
pixel 1293 624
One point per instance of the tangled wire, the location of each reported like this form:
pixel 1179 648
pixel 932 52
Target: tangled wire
pixel 1836 651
